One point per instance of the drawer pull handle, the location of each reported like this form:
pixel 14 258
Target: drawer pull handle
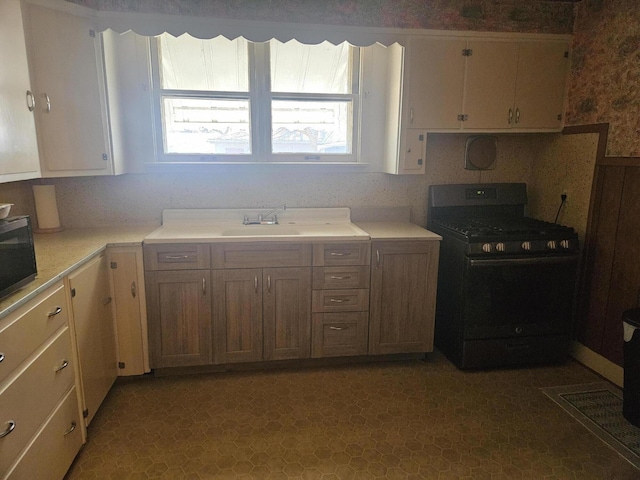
pixel 377 258
pixel 71 429
pixel 1 357
pixel 204 287
pixel 255 284
pixel 340 254
pixel 57 311
pixel 62 366
pixel 269 284
pixel 134 290
pixel 176 257
pixel 336 300
pixel 338 328
pixel 333 277
pixel 11 425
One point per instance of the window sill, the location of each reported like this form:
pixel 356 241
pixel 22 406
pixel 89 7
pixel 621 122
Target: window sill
pixel 321 167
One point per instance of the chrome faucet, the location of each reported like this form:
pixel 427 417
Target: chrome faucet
pixel 263 219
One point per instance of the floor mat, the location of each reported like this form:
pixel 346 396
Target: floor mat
pixel 598 406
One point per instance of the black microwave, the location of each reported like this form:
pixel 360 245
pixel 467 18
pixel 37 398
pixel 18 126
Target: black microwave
pixel 17 255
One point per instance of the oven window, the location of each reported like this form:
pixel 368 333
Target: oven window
pixel 524 299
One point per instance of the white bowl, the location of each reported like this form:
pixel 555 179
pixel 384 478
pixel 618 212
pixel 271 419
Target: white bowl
pixel 5 208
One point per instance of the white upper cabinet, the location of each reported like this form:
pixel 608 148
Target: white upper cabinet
pixel 66 66
pixel 485 84
pixel 435 72
pixel 18 144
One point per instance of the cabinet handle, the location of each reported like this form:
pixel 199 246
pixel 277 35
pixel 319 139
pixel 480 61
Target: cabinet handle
pixel 71 429
pixel 134 290
pixel 268 283
pixel 336 300
pixel 338 328
pixel 340 254
pixel 55 312
pixel 47 103
pixel 1 357
pixel 10 426
pixel 411 115
pixel 517 115
pixel 333 277
pixel 204 286
pixel 176 257
pixel 31 101
pixel 62 366
pixel 377 258
pixel 510 116
pixel 107 301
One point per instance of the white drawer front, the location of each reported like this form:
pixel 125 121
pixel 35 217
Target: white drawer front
pixel 22 332
pixel 56 445
pixel 30 398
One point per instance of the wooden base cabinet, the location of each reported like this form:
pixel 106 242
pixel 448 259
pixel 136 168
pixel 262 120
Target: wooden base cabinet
pixel 403 296
pixel 262 314
pixel 179 311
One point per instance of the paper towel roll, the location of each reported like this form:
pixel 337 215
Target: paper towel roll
pixel 46 209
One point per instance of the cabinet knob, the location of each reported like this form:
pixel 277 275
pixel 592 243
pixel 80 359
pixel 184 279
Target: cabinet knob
pixel 134 290
pixel 31 101
pixel 47 103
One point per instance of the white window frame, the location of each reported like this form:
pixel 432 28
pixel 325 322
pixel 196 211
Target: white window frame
pixel 259 97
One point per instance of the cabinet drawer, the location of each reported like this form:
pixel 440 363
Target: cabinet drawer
pixel 30 397
pixel 56 445
pixel 23 331
pixel 351 300
pixel 260 255
pixel 341 277
pixel 339 334
pixel 329 254
pixel 177 257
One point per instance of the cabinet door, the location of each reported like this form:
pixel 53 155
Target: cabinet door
pixel 403 294
pixel 414 151
pixel 129 309
pixel 540 88
pixel 70 118
pixel 237 320
pixel 179 317
pixel 490 85
pixel 94 332
pixel 18 144
pixel 287 313
pixel 436 82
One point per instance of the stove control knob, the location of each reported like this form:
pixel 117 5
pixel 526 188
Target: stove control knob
pixel 486 248
pixel 565 244
pixel 526 246
pixel 552 245
pixel 500 247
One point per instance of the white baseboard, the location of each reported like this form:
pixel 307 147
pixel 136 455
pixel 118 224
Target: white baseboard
pixel 596 362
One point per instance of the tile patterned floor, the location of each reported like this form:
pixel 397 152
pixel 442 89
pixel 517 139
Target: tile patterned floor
pixel 405 420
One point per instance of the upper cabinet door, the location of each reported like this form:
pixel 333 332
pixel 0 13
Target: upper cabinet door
pixel 492 67
pixel 436 82
pixel 68 79
pixel 541 85
pixel 18 144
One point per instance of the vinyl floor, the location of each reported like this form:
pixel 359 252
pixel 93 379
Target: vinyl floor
pixel 394 420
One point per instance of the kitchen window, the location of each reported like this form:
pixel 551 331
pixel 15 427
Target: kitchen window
pixel 221 100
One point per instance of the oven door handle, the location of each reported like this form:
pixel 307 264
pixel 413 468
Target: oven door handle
pixel 496 262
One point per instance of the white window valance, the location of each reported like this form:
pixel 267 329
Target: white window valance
pixel 148 24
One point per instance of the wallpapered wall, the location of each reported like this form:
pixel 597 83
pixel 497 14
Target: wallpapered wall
pixel 483 15
pixel 605 78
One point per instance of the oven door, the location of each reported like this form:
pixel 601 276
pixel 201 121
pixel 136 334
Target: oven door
pixel 514 297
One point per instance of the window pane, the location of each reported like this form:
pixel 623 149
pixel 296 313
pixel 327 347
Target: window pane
pixel 218 64
pixel 298 68
pixel 206 126
pixel 311 126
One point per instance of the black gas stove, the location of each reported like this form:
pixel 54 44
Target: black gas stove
pixel 506 281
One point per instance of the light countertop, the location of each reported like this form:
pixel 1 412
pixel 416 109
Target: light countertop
pixel 57 254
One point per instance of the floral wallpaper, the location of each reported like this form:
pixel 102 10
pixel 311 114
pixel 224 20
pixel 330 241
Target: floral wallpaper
pixel 605 76
pixel 484 15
